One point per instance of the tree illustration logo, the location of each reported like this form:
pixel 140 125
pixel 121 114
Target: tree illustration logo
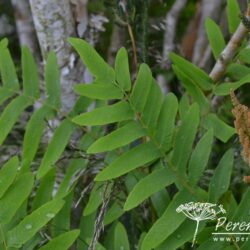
pixel 199 211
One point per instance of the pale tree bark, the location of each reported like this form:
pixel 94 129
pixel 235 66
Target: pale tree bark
pixel 206 61
pixel 230 50
pixel 24 24
pixel 208 9
pixel 227 55
pixel 54 24
pixel 169 45
pixel 171 20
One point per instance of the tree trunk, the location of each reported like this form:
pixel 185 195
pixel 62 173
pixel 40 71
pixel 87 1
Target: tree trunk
pixel 208 9
pixel 170 30
pixel 24 24
pixel 54 24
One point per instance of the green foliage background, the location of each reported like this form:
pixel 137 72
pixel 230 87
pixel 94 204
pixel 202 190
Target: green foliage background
pixel 149 153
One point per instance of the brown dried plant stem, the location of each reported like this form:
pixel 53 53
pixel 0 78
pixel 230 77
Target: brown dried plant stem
pixel 100 217
pixel 132 38
pixel 230 50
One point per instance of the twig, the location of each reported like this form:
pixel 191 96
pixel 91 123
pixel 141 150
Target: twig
pixel 229 52
pixel 99 220
pixel 85 190
pixel 170 29
pixel 132 38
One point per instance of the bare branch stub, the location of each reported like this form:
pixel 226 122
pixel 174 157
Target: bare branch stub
pixel 230 50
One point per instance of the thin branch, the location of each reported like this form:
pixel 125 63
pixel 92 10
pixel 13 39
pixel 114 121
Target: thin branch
pixel 85 190
pixel 100 217
pixel 132 38
pixel 229 52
